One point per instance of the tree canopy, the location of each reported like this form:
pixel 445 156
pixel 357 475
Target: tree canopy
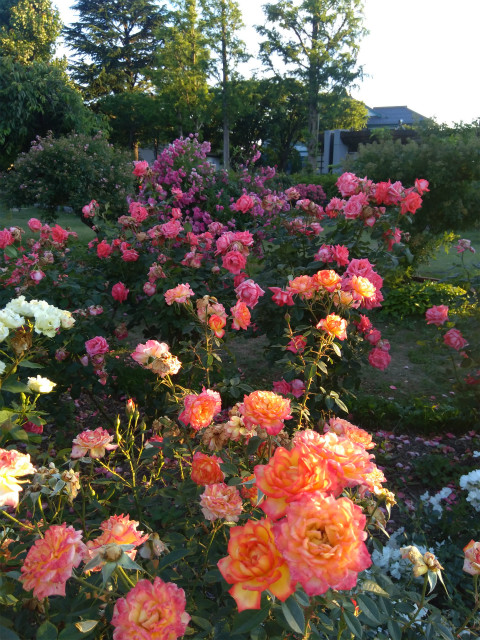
pixel 28 30
pixel 115 42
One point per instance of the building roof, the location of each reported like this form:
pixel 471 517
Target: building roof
pixel 392 117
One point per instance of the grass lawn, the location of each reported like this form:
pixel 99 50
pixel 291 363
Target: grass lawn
pixel 20 218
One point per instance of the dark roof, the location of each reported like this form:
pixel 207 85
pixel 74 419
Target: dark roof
pixel 392 117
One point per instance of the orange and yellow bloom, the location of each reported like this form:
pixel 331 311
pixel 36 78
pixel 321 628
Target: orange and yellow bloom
pixel 266 410
pixel 254 564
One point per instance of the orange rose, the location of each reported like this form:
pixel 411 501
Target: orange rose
pixel 289 474
pixel 322 540
pixel 350 431
pixel 303 285
pixel 334 325
pixel 360 287
pixel 216 324
pixel 327 279
pixel 200 410
pixel 206 469
pixel 254 564
pixel 267 410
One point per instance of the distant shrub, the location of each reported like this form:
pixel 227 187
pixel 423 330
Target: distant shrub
pixel 70 171
pixel 447 157
pixel 414 298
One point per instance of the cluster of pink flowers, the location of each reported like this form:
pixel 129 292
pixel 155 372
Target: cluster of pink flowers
pixel 453 338
pixel 310 536
pixel 156 356
pixel 96 349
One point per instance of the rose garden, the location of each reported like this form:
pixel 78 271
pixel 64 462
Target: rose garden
pixel 152 487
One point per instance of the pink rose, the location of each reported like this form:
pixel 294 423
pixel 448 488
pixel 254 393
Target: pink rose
pixel 281 297
pixel 373 337
pixel 104 249
pixel 34 224
pixel 249 292
pixel 453 338
pixel 348 184
pixel 234 261
pixel 437 315
pixel 244 204
pixel 282 386
pixel 140 169
pixel 298 388
pixel 340 254
pixel 354 206
pixel 379 359
pixel 129 255
pixel 97 345
pixel 6 238
pixel 149 288
pixel 37 275
pixel 119 292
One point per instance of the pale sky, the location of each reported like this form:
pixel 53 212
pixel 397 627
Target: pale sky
pixel 421 53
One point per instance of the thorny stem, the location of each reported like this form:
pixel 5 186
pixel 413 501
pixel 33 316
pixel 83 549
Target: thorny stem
pixel 413 617
pixel 20 524
pixel 475 608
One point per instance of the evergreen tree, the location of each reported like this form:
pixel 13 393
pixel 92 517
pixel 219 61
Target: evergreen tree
pixel 318 40
pixel 115 42
pixel 28 30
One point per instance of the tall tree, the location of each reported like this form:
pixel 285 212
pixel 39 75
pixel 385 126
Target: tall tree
pixel 115 42
pixel 43 100
pixel 182 67
pixel 318 40
pixel 28 30
pixel 223 21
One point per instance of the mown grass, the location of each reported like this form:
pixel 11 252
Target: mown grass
pixel 20 217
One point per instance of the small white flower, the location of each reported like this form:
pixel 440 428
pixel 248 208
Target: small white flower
pixel 2 367
pixel 40 385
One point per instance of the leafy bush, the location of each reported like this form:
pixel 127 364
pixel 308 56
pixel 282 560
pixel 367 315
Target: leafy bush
pixel 447 157
pixel 414 298
pixel 70 171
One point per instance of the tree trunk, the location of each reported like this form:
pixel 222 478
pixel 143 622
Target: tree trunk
pixel 226 129
pixel 313 89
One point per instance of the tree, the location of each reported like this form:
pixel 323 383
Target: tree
pixel 115 42
pixel 28 30
pixel 318 41
pixel 223 20
pixel 182 66
pixel 34 99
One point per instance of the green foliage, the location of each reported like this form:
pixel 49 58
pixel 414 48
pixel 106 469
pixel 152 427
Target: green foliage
pixel 28 30
pixel 115 44
pixel 70 171
pixel 34 99
pixel 318 48
pixel 414 298
pixel 181 69
pixel 447 158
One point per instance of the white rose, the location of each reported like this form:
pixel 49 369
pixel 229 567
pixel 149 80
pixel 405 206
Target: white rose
pixel 11 319
pixel 3 331
pixel 40 385
pixel 67 319
pixel 47 322
pixel 3 366
pixel 20 305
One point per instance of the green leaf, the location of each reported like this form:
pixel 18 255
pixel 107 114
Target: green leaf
pixel 30 365
pixel 370 585
pixel 248 620
pixel 444 631
pixel 202 623
pixel 294 615
pixel 10 251
pixel 174 556
pixel 85 626
pixel 395 630
pixel 337 349
pixel 47 631
pixel 341 404
pixel 70 633
pixel 229 469
pixel 353 623
pixel 8 634
pixel 369 608
pixel 14 386
pixel 310 371
pixel 432 580
pixel 5 415
pixel 253 445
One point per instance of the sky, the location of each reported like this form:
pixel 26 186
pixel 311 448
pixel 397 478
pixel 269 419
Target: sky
pixel 424 54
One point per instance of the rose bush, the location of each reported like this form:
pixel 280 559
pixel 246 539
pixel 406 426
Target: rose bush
pixel 211 508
